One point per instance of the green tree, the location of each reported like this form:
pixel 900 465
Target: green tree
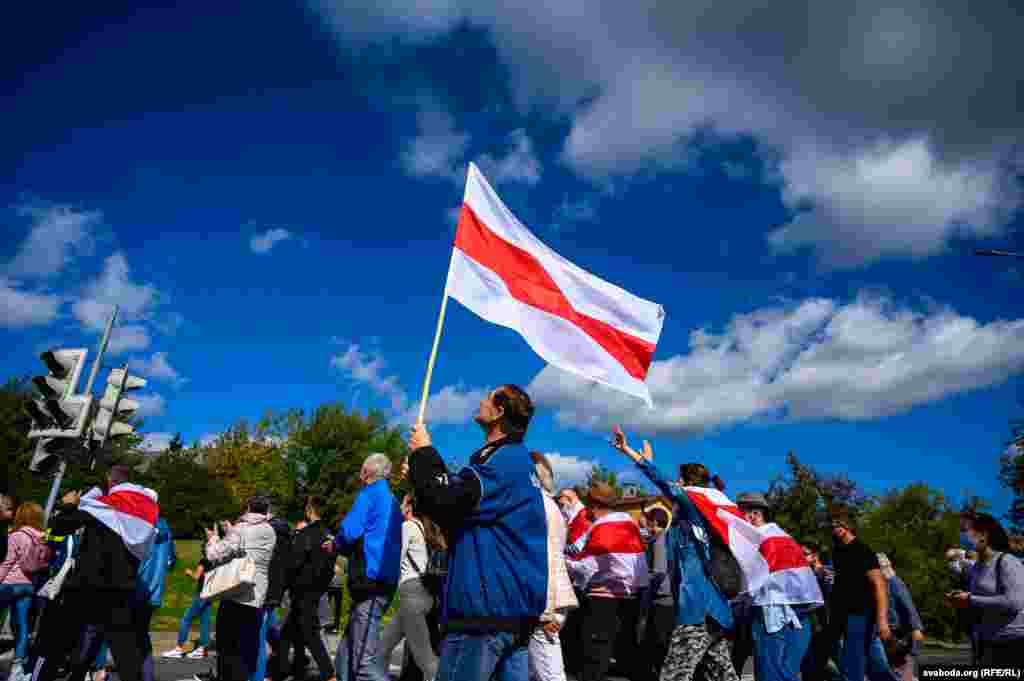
pixel 190 498
pixel 800 500
pixel 1011 475
pixel 913 526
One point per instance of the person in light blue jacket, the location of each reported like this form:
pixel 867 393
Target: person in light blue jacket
pixel 702 613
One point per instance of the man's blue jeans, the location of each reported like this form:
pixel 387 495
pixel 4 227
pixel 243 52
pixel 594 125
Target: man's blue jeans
pixel 857 658
pixel 202 610
pixel 18 599
pixel 357 649
pixel 497 656
pixel 777 656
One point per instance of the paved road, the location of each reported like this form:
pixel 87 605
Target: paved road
pixel 182 670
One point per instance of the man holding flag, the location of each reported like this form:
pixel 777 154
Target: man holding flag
pixel 497 581
pixel 119 531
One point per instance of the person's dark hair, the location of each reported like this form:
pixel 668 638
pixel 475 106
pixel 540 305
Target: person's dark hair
pixel 997 537
pixel 842 513
pixel 432 532
pixel 259 504
pixel 315 502
pixel 694 474
pixel 518 409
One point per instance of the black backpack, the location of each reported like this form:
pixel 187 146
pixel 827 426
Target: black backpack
pixel 724 569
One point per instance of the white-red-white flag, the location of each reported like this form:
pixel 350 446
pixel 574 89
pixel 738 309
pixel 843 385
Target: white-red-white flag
pixel 613 558
pixel 773 564
pixel 572 319
pixel 129 510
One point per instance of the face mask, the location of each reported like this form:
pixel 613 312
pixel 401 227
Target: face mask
pixel 966 541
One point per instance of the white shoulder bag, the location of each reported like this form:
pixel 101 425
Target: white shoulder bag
pixel 225 579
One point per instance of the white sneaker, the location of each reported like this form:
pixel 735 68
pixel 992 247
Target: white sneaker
pixel 199 653
pixel 176 653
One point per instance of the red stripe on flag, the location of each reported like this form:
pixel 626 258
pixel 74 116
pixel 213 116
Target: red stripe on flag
pixel 134 504
pixel 579 525
pixel 614 537
pixel 529 283
pixel 710 511
pixel 782 553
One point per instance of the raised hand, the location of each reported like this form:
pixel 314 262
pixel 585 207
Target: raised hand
pixel 619 442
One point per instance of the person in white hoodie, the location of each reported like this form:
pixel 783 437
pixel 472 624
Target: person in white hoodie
pixel 240 617
pixel 546 662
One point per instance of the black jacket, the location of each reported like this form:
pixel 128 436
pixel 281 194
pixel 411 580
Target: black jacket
pixel 280 563
pixel 104 562
pixel 312 567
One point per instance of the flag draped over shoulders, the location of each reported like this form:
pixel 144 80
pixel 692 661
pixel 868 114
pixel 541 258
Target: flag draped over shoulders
pixel 773 563
pixel 129 510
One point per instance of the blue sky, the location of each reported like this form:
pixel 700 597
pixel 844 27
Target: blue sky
pixel 269 193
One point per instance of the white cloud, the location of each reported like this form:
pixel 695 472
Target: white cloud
pixel 890 200
pixel 57 234
pixel 114 287
pixel 449 405
pixel 157 367
pixel 368 369
pixel 438 148
pixel 569 470
pixel 150 404
pixel 520 164
pixel 637 80
pixel 816 360
pixel 265 241
pixel 129 338
pixel 21 309
pixel 156 442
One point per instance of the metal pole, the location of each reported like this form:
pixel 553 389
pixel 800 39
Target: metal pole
pixel 52 499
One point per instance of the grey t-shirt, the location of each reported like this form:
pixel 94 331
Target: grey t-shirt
pixel 659 565
pixel 1000 613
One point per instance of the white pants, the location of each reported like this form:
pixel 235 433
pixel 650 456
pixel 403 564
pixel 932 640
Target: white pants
pixel 410 623
pixel 546 662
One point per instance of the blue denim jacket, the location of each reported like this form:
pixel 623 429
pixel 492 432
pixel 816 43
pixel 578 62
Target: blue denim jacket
pixel 903 616
pixel 696 596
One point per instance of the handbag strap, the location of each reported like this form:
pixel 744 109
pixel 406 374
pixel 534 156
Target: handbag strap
pixel 408 551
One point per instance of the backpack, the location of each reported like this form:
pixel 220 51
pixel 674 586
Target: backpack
pixel 724 569
pixel 38 556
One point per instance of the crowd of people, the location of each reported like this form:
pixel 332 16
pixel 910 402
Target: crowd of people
pixel 498 575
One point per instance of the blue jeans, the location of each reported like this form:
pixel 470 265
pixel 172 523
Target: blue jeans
pixel 269 618
pixel 202 610
pixel 497 656
pixel 18 599
pixel 357 649
pixel 858 658
pixel 777 656
pixel 878 663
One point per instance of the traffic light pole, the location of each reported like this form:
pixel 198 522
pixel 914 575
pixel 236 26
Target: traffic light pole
pixel 52 499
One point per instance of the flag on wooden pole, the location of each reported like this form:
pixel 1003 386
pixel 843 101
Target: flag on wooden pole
pixel 571 318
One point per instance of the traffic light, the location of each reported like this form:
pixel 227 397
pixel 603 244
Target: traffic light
pixel 50 451
pixel 114 408
pixel 60 413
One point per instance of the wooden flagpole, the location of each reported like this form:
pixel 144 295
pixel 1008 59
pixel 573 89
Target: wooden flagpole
pixel 437 342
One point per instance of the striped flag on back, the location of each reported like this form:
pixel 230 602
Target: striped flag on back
pixel 129 510
pixel 612 560
pixel 773 563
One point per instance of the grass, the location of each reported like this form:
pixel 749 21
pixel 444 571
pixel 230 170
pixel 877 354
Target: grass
pixel 180 588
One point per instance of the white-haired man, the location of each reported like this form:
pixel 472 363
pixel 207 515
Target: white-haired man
pixel 371 538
